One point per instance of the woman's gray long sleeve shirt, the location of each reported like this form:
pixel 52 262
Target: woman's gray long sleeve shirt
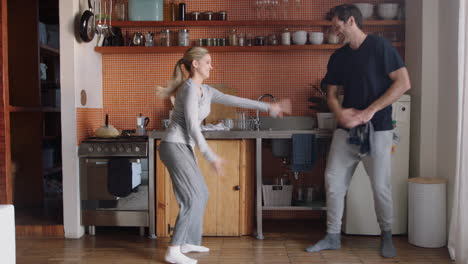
pixel 191 108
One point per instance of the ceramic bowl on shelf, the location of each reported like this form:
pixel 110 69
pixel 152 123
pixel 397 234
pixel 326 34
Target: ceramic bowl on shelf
pixel 366 9
pixel 316 38
pixel 299 37
pixel 387 10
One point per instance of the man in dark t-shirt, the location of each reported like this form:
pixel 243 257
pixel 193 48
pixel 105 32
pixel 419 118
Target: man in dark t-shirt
pixel 373 76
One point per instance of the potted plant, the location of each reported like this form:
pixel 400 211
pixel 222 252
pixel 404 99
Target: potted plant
pixel 325 118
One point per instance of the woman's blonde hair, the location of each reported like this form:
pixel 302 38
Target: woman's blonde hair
pixel 178 77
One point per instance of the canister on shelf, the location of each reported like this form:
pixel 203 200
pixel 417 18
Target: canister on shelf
pixel 223 15
pixel 272 40
pixel 184 37
pixel 286 37
pixel 195 16
pixel 222 41
pixel 260 41
pixel 208 15
pixel 166 38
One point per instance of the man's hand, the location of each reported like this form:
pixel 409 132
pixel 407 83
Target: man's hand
pixel 365 115
pixel 348 117
pixel 218 166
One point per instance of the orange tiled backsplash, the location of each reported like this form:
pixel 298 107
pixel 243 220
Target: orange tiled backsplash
pixel 129 80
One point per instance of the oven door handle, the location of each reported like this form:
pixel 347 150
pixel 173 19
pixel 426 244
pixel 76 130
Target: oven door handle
pixel 103 162
pixel 97 161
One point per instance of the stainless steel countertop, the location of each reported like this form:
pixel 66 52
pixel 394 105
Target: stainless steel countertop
pixel 252 134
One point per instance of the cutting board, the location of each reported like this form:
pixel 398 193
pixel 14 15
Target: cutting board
pixel 219 111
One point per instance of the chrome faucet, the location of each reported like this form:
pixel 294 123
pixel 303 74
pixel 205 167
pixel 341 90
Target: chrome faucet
pixel 257 118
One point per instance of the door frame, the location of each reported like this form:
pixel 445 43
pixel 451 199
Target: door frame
pixel 5 148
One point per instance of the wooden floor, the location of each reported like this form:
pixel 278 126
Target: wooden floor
pixel 284 243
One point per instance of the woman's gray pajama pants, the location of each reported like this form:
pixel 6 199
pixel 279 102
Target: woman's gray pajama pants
pixel 190 191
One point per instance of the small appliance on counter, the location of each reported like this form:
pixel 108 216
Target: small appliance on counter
pixel 142 123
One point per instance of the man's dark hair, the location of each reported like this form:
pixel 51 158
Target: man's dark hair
pixel 344 12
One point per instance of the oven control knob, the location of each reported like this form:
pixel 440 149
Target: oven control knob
pixel 121 149
pixel 90 149
pixel 99 149
pixel 129 150
pixel 106 149
pixel 113 149
pixel 137 149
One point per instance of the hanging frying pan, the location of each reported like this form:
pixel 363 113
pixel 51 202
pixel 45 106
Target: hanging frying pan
pixel 87 24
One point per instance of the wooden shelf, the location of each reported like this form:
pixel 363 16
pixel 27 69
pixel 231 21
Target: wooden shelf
pixel 33 109
pixel 220 49
pixel 49 50
pixel 245 23
pixel 318 205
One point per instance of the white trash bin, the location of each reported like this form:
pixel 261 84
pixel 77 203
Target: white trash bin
pixel 427 212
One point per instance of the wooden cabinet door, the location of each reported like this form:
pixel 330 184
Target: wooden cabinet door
pixel 211 180
pixel 227 205
pixel 228 200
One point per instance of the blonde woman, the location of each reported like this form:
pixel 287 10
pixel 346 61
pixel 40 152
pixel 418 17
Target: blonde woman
pixel 192 105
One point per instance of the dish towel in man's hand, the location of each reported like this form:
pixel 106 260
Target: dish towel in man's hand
pixel 360 136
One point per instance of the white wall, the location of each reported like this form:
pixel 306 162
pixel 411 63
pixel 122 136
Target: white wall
pixel 447 122
pixel 422 47
pixel 80 68
pixel 431 55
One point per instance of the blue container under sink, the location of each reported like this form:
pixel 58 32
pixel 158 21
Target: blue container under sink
pixel 145 10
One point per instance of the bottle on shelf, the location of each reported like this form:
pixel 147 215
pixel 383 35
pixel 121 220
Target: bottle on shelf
pixel 233 38
pixel 172 11
pixel 182 11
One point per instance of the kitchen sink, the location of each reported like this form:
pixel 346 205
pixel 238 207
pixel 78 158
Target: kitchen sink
pixel 288 123
pixel 282 147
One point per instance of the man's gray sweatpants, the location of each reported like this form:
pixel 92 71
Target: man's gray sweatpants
pixel 190 191
pixel 342 162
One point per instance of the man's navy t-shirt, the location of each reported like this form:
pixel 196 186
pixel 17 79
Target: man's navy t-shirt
pixel 364 75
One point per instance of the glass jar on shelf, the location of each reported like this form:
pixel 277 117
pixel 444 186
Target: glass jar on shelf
pixel 241 39
pixel 166 40
pixel 233 37
pixel 121 10
pixel 184 37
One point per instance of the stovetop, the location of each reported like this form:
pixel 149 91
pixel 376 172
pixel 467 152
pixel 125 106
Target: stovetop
pixel 121 138
pixel 127 145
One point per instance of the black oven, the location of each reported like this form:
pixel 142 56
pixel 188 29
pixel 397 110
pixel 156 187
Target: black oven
pixel 115 186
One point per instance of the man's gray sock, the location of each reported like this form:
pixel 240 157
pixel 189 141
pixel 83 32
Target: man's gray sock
pixel 330 242
pixel 386 248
